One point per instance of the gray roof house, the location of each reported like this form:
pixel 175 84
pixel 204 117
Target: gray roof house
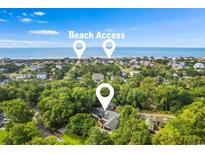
pixel 110 119
pixel 177 65
pixel 133 62
pixel 97 77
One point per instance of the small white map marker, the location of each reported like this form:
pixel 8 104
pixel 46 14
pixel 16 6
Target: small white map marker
pixel 107 50
pixel 79 51
pixel 105 101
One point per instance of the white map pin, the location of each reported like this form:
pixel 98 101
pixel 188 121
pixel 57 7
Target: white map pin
pixel 105 101
pixel 107 50
pixel 79 51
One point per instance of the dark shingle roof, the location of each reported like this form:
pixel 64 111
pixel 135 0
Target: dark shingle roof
pixel 111 118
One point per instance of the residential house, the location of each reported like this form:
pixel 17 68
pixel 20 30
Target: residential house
pixel 123 62
pixel 146 63
pixel 133 62
pixel 132 73
pixel 111 61
pixel 58 66
pixel 155 121
pixel 199 66
pixel 108 120
pixel 105 61
pixel 24 76
pixel 136 66
pixel 36 67
pixel 19 64
pixel 177 65
pixel 42 76
pixel 98 77
pixel 2 82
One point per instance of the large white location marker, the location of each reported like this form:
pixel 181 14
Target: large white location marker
pixel 105 101
pixel 79 47
pixel 109 50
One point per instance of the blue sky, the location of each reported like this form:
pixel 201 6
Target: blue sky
pixel 142 27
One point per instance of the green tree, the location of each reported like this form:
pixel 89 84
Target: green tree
pixel 171 97
pixel 187 128
pixel 17 111
pixel 98 137
pixel 80 124
pixel 132 130
pixel 136 97
pixel 22 133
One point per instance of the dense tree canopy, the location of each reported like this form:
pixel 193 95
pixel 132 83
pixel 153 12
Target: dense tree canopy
pixel 98 137
pixel 17 111
pixel 132 130
pixel 68 96
pixel 22 133
pixel 59 101
pixel 187 128
pixel 26 90
pixel 80 124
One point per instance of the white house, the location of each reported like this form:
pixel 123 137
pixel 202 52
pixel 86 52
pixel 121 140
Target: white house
pixel 132 73
pixel 42 76
pixel 199 65
pixel 24 76
pixel 135 66
pixel 58 66
pixel 36 67
pixel 178 65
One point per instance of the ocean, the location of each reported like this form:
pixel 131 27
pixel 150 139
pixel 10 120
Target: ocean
pixel 29 53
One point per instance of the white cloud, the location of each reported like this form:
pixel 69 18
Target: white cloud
pixel 39 13
pixel 42 22
pixel 24 14
pixel 26 20
pixel 3 20
pixel 4 43
pixel 44 32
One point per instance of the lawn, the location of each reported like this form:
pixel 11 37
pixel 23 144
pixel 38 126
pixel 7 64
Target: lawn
pixel 2 136
pixel 74 139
